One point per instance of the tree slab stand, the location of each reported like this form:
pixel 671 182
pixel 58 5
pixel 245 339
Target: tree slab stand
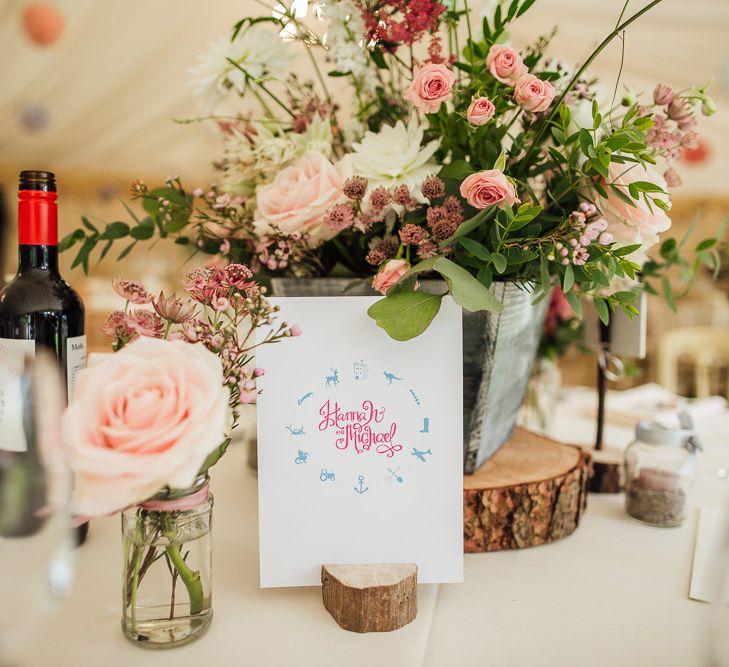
pixel 531 492
pixel 607 471
pixel 373 597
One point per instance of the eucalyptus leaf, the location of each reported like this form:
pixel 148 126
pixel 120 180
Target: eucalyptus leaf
pixel 405 315
pixel 466 290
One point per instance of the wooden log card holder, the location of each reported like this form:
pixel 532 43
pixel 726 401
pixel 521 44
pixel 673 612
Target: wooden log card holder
pixel 373 597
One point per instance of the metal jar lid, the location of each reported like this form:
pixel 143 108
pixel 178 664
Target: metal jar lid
pixel 655 433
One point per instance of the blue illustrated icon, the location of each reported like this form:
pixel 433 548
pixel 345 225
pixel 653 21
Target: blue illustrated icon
pixel 415 397
pixel 426 425
pixel 361 488
pixel 396 477
pixel 360 370
pixel 420 455
pixel 303 457
pixel 326 475
pixel 390 377
pixel 304 397
pixel 295 430
pixel 333 379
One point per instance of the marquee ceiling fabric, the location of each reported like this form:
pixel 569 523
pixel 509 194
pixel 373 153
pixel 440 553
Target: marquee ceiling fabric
pixel 97 104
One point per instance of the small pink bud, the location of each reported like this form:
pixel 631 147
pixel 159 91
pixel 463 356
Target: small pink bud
pixel 606 238
pixel 220 304
pixel 295 330
pixel 258 372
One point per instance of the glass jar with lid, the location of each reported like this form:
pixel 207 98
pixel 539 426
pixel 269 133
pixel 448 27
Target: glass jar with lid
pixel 659 467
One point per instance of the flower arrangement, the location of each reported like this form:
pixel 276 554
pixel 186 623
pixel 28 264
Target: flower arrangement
pixel 147 422
pixel 459 155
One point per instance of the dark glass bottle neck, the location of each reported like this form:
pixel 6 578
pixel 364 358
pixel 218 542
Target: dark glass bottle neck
pixel 41 257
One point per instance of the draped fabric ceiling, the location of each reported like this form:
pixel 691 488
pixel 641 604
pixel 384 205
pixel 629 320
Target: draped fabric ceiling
pixel 118 75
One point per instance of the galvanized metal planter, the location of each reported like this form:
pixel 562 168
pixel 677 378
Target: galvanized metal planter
pixel 498 352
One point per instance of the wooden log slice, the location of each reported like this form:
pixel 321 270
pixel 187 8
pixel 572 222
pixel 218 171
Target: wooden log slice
pixel 377 597
pixel 532 491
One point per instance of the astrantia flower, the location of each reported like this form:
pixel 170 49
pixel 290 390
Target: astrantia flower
pixel 256 52
pixel 145 323
pixel 173 308
pixel 394 156
pixel 131 290
pixel 116 325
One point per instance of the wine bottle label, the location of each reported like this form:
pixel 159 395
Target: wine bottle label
pixel 12 361
pixel 75 361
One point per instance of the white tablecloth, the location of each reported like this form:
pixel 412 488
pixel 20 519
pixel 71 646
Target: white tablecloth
pixel 613 593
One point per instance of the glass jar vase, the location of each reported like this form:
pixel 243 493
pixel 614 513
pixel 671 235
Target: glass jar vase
pixel 167 570
pixel 659 467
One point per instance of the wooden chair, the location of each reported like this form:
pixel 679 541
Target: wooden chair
pixel 706 347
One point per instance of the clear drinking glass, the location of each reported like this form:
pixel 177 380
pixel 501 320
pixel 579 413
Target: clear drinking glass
pixel 167 568
pixel 36 535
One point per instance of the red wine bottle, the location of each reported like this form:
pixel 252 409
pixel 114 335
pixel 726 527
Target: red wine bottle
pixel 38 309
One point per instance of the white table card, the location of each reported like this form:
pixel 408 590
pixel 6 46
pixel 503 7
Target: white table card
pixel 360 444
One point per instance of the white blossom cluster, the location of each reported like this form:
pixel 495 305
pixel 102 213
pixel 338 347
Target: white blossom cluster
pixel 344 40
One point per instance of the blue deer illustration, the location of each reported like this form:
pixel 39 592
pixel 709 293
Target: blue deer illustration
pixel 332 380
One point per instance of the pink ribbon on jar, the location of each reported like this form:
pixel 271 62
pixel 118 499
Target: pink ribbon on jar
pixel 177 504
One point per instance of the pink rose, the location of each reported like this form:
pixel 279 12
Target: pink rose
pixel 299 196
pixel 637 223
pixel 486 188
pixel 480 111
pixel 431 87
pixel 533 94
pixel 142 419
pixel 390 274
pixel 505 64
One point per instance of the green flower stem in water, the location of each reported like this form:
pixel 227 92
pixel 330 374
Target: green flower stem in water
pixel 190 577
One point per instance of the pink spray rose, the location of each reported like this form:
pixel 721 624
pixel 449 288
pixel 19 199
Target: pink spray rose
pixel 480 111
pixel 142 419
pixel 486 188
pixel 505 64
pixel 300 195
pixel 533 94
pixel 389 275
pixel 431 87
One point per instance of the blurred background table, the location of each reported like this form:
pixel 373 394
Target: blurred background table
pixel 615 592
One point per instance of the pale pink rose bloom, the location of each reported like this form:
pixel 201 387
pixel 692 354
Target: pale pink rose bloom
pixel 505 64
pixel 390 274
pixel 480 111
pixel 142 419
pixel 636 223
pixel 299 196
pixel 431 86
pixel 486 188
pixel 639 214
pixel 533 94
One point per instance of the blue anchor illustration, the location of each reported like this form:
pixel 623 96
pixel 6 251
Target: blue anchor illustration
pixel 361 488
pixel 302 457
pixel 304 397
pixel 397 477
pixel 420 455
